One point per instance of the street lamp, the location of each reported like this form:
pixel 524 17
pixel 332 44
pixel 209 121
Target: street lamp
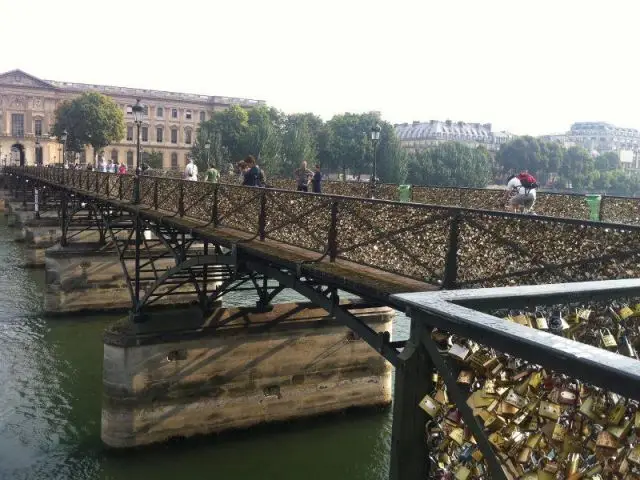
pixel 137 110
pixel 63 139
pixel 375 136
pixel 38 158
pixel 207 147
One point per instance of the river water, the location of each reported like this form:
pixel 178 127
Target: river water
pixel 50 402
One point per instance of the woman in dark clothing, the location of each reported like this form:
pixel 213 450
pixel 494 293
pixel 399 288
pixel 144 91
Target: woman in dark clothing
pixel 252 173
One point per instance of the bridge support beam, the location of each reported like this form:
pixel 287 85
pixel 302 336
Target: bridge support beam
pixel 88 277
pixel 180 374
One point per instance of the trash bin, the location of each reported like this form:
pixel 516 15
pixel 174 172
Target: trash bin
pixel 404 193
pixel 594 206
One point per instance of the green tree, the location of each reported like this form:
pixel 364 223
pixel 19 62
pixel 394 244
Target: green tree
pixel 263 137
pixel 153 159
pixel 300 140
pixel 90 119
pixel 392 159
pixel 450 164
pixel 607 161
pixel 524 153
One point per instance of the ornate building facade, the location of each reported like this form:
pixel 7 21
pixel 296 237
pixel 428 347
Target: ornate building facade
pixel 420 135
pixel 27 114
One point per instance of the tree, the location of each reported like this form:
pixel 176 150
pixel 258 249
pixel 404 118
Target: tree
pixel 524 153
pixel 153 159
pixel 90 119
pixel 450 164
pixel 300 140
pixel 263 137
pixel 607 161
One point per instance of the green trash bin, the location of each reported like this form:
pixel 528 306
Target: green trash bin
pixel 404 193
pixel 594 206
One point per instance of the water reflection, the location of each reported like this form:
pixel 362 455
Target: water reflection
pixel 51 374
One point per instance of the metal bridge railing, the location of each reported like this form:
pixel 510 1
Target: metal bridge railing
pixel 513 400
pixel 445 246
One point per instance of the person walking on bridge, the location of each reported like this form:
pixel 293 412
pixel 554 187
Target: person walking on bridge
pixel 521 192
pixel 303 176
pixel 191 171
pixel 316 181
pixel 212 175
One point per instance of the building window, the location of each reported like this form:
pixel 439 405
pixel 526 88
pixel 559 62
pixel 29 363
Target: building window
pixel 83 157
pixel 159 112
pixel 17 125
pixel 145 110
pixel 159 135
pixel 174 160
pixel 174 113
pixel 129 160
pixel 38 128
pixel 203 116
pixel 160 156
pixel 174 135
pixel 187 136
pixel 144 131
pixel 129 133
pixel 187 114
pixel 114 156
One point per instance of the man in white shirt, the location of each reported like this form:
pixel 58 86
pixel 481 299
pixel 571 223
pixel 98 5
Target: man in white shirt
pixel 522 199
pixel 191 171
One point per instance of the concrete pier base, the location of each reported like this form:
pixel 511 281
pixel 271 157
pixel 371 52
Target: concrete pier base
pixel 88 277
pixel 181 375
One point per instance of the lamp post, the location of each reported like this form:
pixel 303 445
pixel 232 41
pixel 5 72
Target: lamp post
pixel 63 137
pixel 207 147
pixel 38 159
pixel 137 110
pixel 375 136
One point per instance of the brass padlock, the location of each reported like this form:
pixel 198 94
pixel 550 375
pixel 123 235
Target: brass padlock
pixel 430 406
pixel 559 432
pixel 525 455
pixel 462 473
pixel 567 397
pixel 616 414
pixel 573 464
pixel 550 410
pixel 625 312
pixel 465 377
pixel 441 396
pixel 606 440
pixel 541 322
pixel 457 435
pixel 634 455
pixel 584 314
pixel 608 340
pixel 497 440
pixel 516 400
pixel 587 409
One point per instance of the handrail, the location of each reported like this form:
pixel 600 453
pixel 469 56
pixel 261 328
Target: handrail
pixel 599 372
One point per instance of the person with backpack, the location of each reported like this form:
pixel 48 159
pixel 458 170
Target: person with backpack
pixel 522 190
pixel 253 175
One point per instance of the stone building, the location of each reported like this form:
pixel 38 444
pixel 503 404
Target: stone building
pixel 419 135
pixel 27 114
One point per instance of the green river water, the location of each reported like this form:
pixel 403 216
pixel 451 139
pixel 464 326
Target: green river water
pixel 50 396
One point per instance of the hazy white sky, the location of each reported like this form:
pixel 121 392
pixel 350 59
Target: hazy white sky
pixel 525 66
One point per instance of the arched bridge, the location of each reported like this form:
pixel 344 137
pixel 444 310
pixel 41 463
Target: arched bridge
pixel 379 250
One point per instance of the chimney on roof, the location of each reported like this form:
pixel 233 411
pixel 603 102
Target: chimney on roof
pixel 416 122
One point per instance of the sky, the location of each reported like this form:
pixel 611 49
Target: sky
pixel 528 67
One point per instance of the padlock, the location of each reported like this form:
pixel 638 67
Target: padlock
pixel 462 473
pixel 507 409
pixel 606 440
pixel 441 396
pixel 616 414
pixel 625 348
pixel 559 432
pixel 550 410
pixel 608 340
pixel 525 455
pixel 516 400
pixel 457 435
pixel 459 352
pixel 625 312
pixel 573 464
pixel 614 314
pixel 494 423
pixel 541 322
pixel 465 377
pixel 634 455
pixel 429 405
pixel 584 314
pixel 497 440
pixel 587 409
pixel 521 319
pixel 567 397
pixel 620 431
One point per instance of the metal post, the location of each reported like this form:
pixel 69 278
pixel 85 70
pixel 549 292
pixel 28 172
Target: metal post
pixel 204 276
pixel 136 179
pixel 63 218
pixel 375 170
pixel 24 192
pixel 451 265
pixel 409 452
pixel 35 202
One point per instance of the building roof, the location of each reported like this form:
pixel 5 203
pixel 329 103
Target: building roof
pixel 20 78
pixel 420 130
